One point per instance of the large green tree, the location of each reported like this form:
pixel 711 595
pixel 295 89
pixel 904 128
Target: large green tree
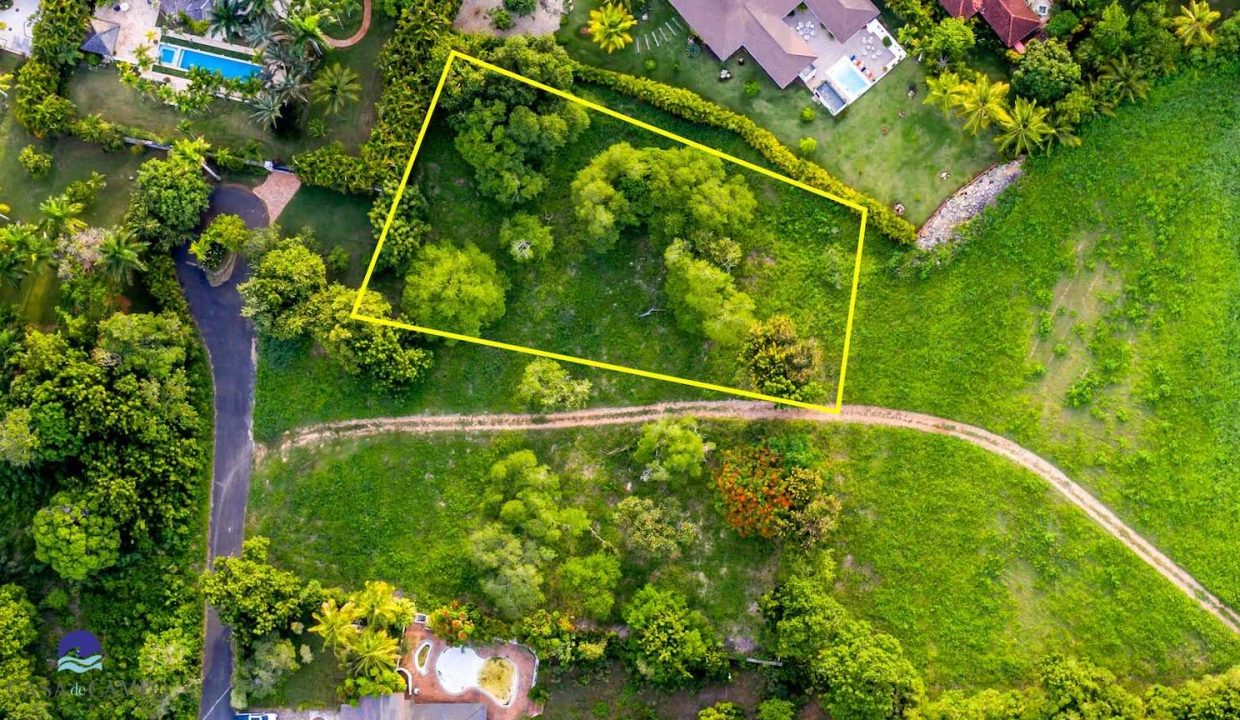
pixel 546 386
pixel 1046 71
pixel 670 645
pixel 671 449
pixel 454 289
pixel 253 597
pixel 77 540
pixel 172 193
pixel 23 691
pixel 704 298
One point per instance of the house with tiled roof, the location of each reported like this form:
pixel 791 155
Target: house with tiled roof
pixel 1014 21
pixel 838 48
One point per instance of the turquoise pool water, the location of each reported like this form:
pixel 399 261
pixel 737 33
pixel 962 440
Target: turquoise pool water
pixel 185 59
pixel 848 77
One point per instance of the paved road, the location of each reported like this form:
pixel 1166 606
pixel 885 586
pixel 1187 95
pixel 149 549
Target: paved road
pixel 230 342
pixel 748 410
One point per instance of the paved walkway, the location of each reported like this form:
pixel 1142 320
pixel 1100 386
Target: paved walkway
pixel 277 192
pixel 356 37
pixel 1103 516
pixel 231 346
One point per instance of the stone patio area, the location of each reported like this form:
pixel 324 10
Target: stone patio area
pixel 15 37
pixel 139 23
pixel 426 687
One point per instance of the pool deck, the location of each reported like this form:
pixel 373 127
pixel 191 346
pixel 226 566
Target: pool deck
pixel 866 45
pixel 427 689
pixel 138 26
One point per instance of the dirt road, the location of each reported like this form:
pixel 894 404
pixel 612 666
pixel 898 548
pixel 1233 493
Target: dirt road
pixel 746 410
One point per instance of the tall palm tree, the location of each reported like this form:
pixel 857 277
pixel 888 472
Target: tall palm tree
pixel 337 624
pixel 981 102
pixel 944 91
pixel 303 29
pixel 120 254
pixel 261 32
pixel 268 108
pixel 374 651
pixel 228 18
pixel 61 216
pixel 336 87
pixel 609 27
pixel 34 247
pixel 379 605
pixel 1193 23
pixel 1123 81
pixel 291 87
pixel 1024 129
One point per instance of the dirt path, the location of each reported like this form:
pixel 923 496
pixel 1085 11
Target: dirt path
pixel 746 410
pixel 356 37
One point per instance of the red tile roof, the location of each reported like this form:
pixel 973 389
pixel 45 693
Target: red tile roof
pixel 1012 20
pixel 964 9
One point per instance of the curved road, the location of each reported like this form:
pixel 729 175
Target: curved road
pixel 748 410
pixel 232 350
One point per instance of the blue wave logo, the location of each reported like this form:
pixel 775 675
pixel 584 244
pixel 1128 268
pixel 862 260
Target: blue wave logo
pixel 79 652
pixel 79 665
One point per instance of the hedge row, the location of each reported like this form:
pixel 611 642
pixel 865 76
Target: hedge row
pixel 691 106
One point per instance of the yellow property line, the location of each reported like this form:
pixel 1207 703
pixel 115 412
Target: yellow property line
pixel 404 182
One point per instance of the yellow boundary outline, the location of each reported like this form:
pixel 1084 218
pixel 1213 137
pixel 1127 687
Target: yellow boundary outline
pixel 404 181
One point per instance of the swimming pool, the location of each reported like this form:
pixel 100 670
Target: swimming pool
pixel 845 76
pixel 185 59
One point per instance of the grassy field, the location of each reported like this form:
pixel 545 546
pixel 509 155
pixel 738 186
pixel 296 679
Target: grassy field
pixel 228 123
pixel 576 302
pixel 73 160
pixel 977 578
pixel 901 166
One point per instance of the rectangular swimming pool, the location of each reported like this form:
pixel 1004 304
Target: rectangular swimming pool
pixel 186 59
pixel 847 77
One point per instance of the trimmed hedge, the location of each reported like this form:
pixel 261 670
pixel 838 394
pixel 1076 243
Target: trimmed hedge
pixel 691 106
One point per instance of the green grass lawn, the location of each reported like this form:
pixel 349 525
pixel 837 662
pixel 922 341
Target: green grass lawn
pixel 576 302
pixel 975 565
pixel 901 166
pixel 97 90
pixel 73 160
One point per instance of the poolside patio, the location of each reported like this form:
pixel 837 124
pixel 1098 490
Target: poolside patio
pixel 872 58
pixel 15 37
pixel 139 25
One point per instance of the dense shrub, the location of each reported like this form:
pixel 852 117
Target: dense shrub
pixel 35 161
pixel 521 7
pixel 692 107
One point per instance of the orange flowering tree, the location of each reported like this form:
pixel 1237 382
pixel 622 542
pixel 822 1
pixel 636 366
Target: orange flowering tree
pixel 454 622
pixel 761 495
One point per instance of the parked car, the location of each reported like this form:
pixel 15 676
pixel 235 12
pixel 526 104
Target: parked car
pixel 255 716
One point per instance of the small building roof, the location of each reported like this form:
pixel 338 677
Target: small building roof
pixel 963 9
pixel 101 37
pixel 1012 20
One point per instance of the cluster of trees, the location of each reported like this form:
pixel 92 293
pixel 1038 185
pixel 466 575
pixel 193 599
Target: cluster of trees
pixel 55 39
pixel 288 297
pixel 365 630
pixel 686 203
pixel 1098 55
pixel 23 691
pixel 102 454
pixel 529 528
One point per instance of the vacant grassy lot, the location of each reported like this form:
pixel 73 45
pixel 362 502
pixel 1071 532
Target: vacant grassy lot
pixel 976 566
pixel 902 165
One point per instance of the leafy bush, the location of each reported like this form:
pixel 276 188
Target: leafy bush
pixel 761 496
pixel 808 114
pixel 35 161
pixel 670 645
pixel 521 8
pixel 500 18
pixel 752 88
pixel 807 146
pixel 546 386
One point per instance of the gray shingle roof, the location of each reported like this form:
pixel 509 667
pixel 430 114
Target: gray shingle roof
pixel 101 38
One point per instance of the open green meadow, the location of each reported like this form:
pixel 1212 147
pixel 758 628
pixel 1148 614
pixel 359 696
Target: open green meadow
pixel 978 578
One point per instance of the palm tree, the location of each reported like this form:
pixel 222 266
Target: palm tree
pixel 1025 128
pixel 268 108
pixel 374 651
pixel 1193 23
pixel 1062 133
pixel 120 254
pixel 32 246
pixel 228 18
pixel 337 624
pixel 303 29
pixel 379 605
pixel 609 27
pixel 291 87
pixel 12 268
pixel 1123 81
pixel 336 87
pixel 261 32
pixel 980 102
pixel 61 216
pixel 944 91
